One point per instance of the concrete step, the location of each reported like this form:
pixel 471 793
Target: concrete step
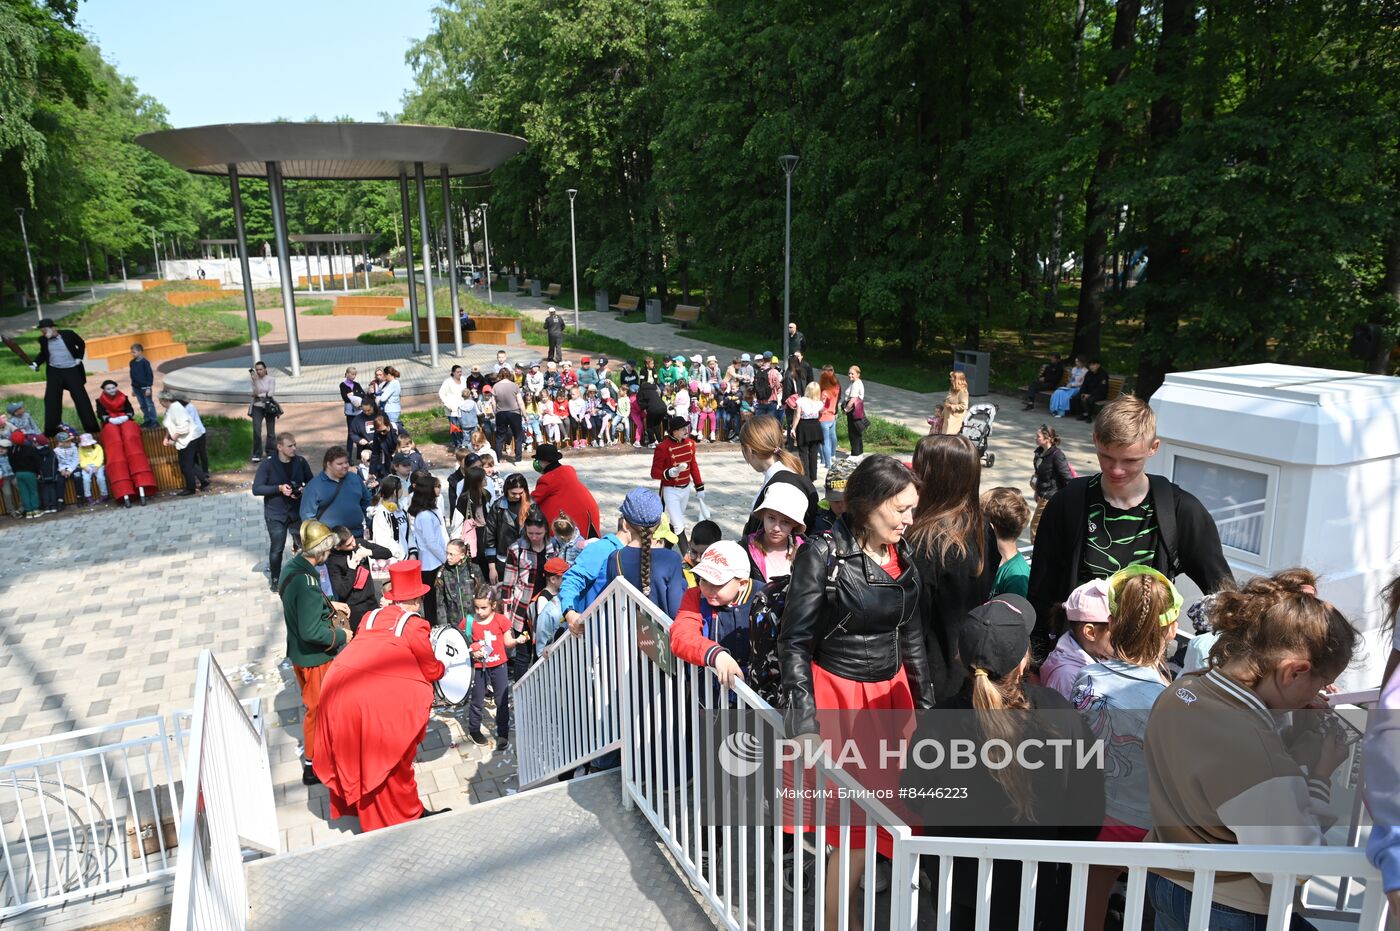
pixel 566 856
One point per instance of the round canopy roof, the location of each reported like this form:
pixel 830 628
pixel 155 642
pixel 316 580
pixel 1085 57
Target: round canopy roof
pixel 332 151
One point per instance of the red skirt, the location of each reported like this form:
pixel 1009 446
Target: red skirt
pixel 835 694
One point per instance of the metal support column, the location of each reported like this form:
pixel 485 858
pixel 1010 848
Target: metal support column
pixel 408 257
pixel 486 235
pixel 365 246
pixel 425 234
pixel 284 264
pixel 242 235
pixel 451 260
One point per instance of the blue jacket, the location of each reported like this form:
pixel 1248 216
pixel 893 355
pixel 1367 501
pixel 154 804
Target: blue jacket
pixel 667 575
pixel 347 500
pixel 588 576
pixel 141 374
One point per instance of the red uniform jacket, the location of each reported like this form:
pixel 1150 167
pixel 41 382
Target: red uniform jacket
pixel 559 491
pixel 375 702
pixel 671 452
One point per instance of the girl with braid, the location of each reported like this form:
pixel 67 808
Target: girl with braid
pixel 1115 695
pixel 655 571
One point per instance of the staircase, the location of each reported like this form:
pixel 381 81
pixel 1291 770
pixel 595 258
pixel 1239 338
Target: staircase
pixel 566 856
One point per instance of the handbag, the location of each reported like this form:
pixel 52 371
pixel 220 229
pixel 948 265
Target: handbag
pixel 271 408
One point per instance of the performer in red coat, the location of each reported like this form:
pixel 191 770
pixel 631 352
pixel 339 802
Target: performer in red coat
pixel 128 469
pixel 676 467
pixel 560 491
pixel 374 709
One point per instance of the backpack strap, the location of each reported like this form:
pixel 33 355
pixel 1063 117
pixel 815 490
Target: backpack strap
pixel 1163 494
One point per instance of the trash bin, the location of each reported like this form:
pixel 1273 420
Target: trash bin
pixel 976 366
pixel 534 287
pixel 511 283
pixel 653 310
pixel 601 302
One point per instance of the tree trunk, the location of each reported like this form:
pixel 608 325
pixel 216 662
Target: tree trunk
pixel 1088 323
pixel 1384 315
pixel 1165 246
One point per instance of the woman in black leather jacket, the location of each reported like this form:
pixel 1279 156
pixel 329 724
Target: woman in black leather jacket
pixel 851 638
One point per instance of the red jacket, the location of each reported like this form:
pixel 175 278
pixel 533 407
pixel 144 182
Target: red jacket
pixel 559 491
pixel 375 702
pixel 701 632
pixel 670 453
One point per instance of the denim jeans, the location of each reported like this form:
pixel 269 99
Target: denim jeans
pixel 766 409
pixel 1173 906
pixel 277 543
pixel 828 442
pixel 149 417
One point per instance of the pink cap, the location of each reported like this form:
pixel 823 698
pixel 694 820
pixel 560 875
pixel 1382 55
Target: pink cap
pixel 1088 604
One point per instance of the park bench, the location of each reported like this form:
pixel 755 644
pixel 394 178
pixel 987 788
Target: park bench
pixel 165 464
pixel 626 304
pixel 1115 388
pixel 212 283
pixel 187 298
pixel 553 291
pixel 490 331
pixel 685 315
pixel 367 305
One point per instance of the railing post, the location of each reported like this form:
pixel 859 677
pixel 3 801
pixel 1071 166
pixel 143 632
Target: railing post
pixel 622 627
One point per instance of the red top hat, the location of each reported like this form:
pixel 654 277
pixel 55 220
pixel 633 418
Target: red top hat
pixel 406 581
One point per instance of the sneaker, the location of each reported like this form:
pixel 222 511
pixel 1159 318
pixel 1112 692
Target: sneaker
pixel 477 738
pixel 502 744
pixel 637 444
pixel 255 458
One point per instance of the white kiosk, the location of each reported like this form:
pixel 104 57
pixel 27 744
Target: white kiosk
pixel 1299 467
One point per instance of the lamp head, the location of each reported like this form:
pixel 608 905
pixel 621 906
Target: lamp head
pixel 789 162
pixel 572 192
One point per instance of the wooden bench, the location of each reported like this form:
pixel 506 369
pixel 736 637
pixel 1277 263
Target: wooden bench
pixel 626 304
pixel 187 298
pixel 553 291
pixel 685 315
pixel 1115 388
pixel 490 331
pixel 367 305
pixel 212 283
pixel 165 465
pixel 113 353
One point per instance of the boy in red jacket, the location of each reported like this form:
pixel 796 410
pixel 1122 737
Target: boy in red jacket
pixel 712 626
pixel 675 466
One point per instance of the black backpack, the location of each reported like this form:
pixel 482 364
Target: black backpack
pixel 762 386
pixel 765 672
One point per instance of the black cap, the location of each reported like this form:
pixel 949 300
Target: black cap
pixel 400 459
pixel 548 452
pixel 996 636
pixel 675 423
pixel 47 321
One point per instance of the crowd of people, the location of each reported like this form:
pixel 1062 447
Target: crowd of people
pixel 902 588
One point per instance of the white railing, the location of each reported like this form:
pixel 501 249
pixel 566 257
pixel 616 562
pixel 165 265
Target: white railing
pixel 566 705
pixel 231 807
pixel 757 878
pixel 85 813
pixel 1241 525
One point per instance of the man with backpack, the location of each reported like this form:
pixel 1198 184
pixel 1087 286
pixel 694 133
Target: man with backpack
pixel 1098 524
pixel 767 384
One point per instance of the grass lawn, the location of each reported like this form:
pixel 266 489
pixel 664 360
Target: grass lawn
pixel 202 327
pixel 14 309
pixel 426 427
pixel 882 436
pixel 314 308
pixel 230 438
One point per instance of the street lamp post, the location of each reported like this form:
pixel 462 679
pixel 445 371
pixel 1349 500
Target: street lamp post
pixel 573 249
pixel 486 234
pixel 155 250
pixel 29 260
pixel 789 162
pixel 92 287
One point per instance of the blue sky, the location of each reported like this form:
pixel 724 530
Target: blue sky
pixel 256 60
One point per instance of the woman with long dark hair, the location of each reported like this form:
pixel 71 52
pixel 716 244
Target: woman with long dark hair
pixel 1052 471
pixel 505 518
pixel 954 547
pixel 468 520
pixel 429 537
pixel 653 410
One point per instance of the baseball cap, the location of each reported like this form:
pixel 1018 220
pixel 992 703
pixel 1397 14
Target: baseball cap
pixel 1088 604
pixel 746 358
pixel 585 360
pixel 642 508
pixel 696 358
pixel 556 566
pixel 721 562
pixel 997 635
pixel 838 475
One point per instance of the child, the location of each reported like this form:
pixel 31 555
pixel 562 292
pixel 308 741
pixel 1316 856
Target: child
pixel 409 450
pixel 1086 641
pixel 546 611
pixel 490 638
pixel 494 482
pixel 468 415
pixel 9 493
pixel 487 415
pixel 366 475
pixel 551 422
pixel 457 584
pixel 534 380
pixel 533 413
pixel 578 414
pixel 622 420
pixel 20 420
pixel 142 382
pixel 66 451
pixel 1008 513
pixel 711 628
pixel 551 378
pixel 50 481
pixel 568 378
pixel 24 459
pixel 568 542
pixel 731 410
pixel 675 465
pixel 388 524
pixel 93 463
pixel 707 406
pixel 702 536
pixel 746 408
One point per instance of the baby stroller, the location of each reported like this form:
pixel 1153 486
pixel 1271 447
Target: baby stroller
pixel 977 427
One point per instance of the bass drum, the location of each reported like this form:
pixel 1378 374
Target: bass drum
pixel 455 686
